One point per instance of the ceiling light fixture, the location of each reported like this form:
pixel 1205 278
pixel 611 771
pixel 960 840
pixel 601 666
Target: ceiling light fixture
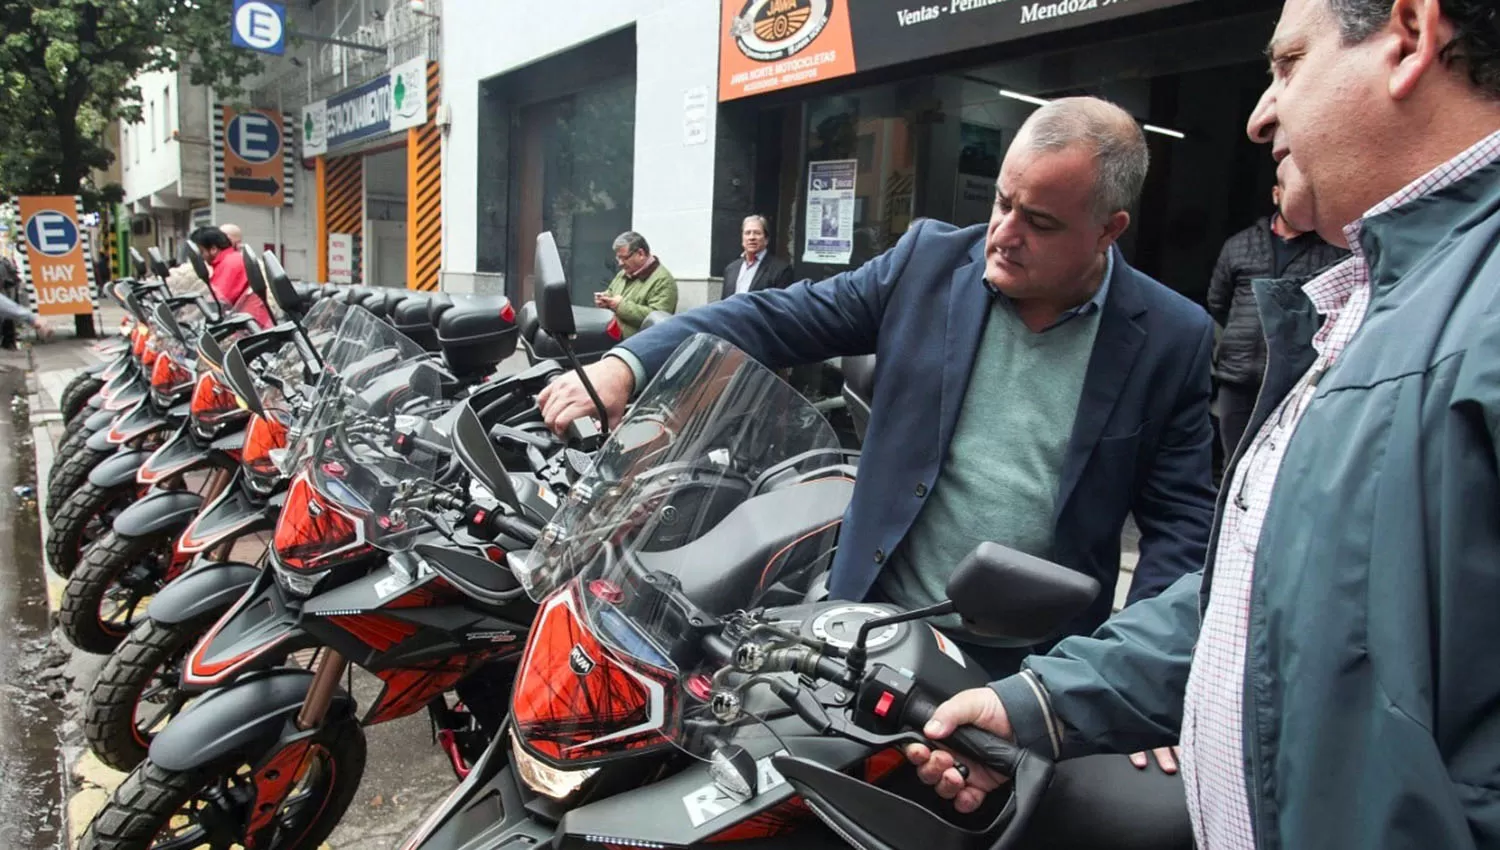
pixel 1152 128
pixel 1031 99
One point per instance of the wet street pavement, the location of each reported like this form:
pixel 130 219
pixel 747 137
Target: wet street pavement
pixel 31 774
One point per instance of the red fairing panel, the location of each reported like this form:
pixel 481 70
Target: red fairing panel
pixel 574 702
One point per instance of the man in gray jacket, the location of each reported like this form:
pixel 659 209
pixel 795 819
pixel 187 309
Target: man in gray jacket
pixel 1330 673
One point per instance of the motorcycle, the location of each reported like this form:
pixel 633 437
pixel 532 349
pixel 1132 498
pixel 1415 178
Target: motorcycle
pixel 734 713
pixel 371 470
pixel 138 689
pixel 145 495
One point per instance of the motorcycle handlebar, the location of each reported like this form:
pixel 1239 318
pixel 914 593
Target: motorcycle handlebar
pixel 984 747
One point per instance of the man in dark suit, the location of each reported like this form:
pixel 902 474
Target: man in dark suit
pixel 756 268
pixel 1031 388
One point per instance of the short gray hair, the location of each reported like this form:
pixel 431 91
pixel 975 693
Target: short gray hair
pixel 631 242
pixel 765 226
pixel 1120 152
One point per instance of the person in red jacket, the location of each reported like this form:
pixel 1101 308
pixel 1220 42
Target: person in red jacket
pixel 229 282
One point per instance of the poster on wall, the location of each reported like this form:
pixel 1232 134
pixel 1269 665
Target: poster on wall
pixel 830 211
pixel 340 258
pixel 981 150
pixel 55 262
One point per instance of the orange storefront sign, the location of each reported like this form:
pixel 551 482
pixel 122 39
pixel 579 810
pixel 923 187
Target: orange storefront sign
pixel 254 159
pixel 55 257
pixel 765 45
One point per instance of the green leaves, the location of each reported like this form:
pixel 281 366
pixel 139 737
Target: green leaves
pixel 66 68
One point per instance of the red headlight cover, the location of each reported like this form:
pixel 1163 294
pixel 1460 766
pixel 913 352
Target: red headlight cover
pixel 311 533
pixel 574 702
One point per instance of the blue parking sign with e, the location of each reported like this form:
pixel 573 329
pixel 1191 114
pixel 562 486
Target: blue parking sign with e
pixel 254 137
pixel 259 25
pixel 51 233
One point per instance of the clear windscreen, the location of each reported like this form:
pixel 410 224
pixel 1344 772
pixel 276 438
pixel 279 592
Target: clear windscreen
pixel 376 386
pixel 712 430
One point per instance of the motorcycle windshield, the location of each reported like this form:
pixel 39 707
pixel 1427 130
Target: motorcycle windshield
pixel 284 372
pixel 711 431
pixel 376 390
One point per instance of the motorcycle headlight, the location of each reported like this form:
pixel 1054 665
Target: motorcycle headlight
pixel 297 584
pixel 550 782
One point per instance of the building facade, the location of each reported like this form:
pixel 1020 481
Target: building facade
pixel 840 122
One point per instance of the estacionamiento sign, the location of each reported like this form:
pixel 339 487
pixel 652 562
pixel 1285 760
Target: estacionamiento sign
pixel 766 45
pixel 388 104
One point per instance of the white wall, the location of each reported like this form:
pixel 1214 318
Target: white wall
pixel 676 48
pixel 144 171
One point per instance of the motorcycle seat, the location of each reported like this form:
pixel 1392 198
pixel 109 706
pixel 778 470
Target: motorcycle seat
pixel 723 569
pixel 591 339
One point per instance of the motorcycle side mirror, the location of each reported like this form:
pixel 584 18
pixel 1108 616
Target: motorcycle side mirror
pixel 255 275
pixel 279 285
pixel 200 265
pixel 159 265
pixel 1002 593
pixel 471 442
pixel 237 376
pixel 555 307
pixel 555 314
pixel 138 263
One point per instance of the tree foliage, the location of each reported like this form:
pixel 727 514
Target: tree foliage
pixel 66 71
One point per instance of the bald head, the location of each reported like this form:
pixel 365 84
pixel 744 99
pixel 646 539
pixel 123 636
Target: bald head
pixel 234 234
pixel 1121 157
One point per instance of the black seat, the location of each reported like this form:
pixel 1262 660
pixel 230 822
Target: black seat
pixel 382 300
pixel 721 570
pixel 859 389
pixel 591 340
pixel 355 295
pixel 410 318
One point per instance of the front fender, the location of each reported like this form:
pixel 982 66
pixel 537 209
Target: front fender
pixel 208 588
pixel 164 511
pixel 99 420
pixel 242 721
pixel 119 468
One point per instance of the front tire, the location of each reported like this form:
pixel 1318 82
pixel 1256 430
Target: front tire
pixel 71 475
pixel 76 395
pixel 84 517
pixel 118 572
pixel 145 668
pixel 155 807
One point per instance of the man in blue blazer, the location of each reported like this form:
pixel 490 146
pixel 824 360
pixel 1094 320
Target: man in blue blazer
pixel 1031 387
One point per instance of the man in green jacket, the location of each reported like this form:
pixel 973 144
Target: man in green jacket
pixel 643 285
pixel 1331 673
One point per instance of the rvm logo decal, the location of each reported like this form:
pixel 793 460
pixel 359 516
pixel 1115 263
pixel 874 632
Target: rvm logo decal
pixel 254 137
pixel 52 234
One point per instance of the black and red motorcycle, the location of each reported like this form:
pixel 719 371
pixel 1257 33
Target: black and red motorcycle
pixel 665 675
pixel 148 497
pixel 138 689
pixel 272 754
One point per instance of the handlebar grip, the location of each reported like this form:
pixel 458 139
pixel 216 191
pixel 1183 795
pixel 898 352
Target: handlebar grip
pixel 517 528
pixel 984 747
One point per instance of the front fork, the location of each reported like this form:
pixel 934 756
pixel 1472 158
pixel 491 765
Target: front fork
pixel 277 776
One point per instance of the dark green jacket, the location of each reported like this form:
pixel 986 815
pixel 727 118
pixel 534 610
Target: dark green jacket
pixel 657 291
pixel 1372 689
